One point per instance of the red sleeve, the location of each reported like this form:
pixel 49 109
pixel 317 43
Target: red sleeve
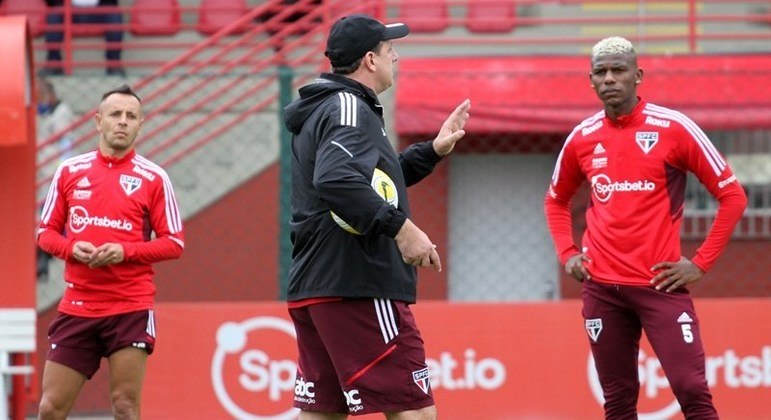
pixel 701 157
pixel 158 249
pixel 166 222
pixel 55 244
pixel 566 179
pixel 50 233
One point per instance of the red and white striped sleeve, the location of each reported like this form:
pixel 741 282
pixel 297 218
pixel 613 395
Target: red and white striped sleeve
pixel 53 219
pixel 698 155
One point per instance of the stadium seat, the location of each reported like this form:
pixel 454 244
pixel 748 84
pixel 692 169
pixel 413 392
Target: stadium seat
pixel 214 15
pixel 155 17
pixel 424 15
pixel 338 9
pixel 34 9
pixel 489 16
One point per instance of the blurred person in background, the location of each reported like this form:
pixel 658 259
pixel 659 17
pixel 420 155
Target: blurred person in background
pixel 353 273
pixel 109 214
pixel 635 156
pixel 53 116
pixel 112 37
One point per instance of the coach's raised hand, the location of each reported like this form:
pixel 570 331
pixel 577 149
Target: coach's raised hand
pixel 452 129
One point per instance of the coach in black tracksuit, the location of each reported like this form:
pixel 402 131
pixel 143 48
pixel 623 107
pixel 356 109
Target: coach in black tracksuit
pixel 332 167
pixel 354 247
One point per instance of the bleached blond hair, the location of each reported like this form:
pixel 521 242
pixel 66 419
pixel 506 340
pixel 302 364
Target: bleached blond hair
pixel 613 45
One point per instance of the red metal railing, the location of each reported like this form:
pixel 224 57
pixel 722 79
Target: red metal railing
pixel 212 60
pixel 693 15
pixel 698 24
pixel 83 37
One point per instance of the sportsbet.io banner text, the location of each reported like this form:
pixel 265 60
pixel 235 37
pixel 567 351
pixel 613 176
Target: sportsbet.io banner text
pixel 493 361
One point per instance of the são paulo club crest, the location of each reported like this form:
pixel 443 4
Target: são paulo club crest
pixel 130 184
pixel 421 378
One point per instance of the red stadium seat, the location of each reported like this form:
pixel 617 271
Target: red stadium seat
pixel 490 16
pixel 214 15
pixel 424 15
pixel 34 9
pixel 155 17
pixel 338 9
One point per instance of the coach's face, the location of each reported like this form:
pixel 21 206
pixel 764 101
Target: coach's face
pixel 615 79
pixel 384 62
pixel 118 121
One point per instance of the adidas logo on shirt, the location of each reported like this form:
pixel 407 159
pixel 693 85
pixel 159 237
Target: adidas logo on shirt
pixel 684 318
pixel 83 183
pixel 599 149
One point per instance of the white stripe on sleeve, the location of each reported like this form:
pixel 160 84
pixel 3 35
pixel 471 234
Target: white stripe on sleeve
pixel 173 216
pixel 714 158
pixel 348 109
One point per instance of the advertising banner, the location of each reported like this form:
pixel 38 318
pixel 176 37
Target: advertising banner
pixel 491 361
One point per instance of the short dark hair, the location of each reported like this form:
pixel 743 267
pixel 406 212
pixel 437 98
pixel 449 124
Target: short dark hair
pixel 122 89
pixel 350 68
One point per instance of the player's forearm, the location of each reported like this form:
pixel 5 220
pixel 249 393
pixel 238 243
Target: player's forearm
pixel 160 249
pixel 55 244
pixel 560 223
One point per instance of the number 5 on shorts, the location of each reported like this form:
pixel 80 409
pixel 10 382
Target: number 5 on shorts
pixel 687 333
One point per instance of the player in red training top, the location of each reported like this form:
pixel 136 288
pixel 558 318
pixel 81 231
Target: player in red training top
pixel 636 155
pixel 100 215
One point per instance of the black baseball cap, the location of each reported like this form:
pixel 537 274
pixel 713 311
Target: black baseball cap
pixel 352 36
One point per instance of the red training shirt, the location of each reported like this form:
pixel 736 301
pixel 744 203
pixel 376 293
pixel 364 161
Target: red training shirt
pixel 637 172
pixel 100 199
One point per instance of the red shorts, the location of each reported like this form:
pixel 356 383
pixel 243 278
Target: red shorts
pixel 359 356
pixel 80 343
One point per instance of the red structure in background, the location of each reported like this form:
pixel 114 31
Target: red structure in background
pixel 534 94
pixel 35 10
pixel 486 361
pixel 17 215
pixel 155 17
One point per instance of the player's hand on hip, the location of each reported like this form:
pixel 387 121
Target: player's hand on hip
pixel 82 250
pixel 576 268
pixel 416 248
pixel 106 254
pixel 452 129
pixel 672 275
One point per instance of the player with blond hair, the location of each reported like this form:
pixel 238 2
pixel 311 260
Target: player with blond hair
pixel 636 156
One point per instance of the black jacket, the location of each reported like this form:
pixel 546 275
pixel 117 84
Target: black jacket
pixel 338 139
